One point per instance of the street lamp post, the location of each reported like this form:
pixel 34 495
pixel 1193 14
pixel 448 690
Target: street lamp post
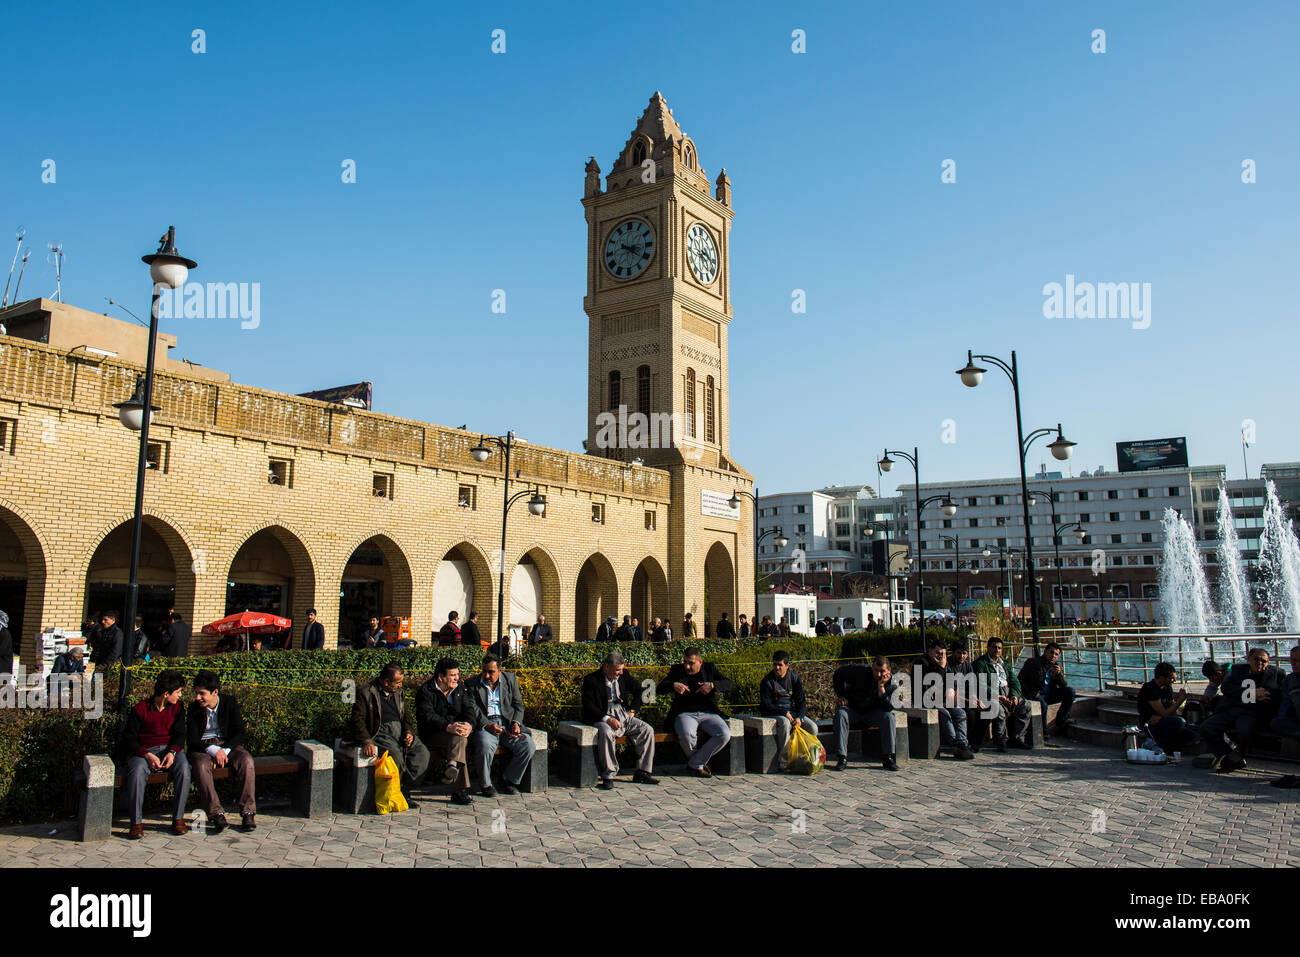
pixel 949 508
pixel 536 505
pixel 781 540
pixel 971 376
pixel 1057 528
pixel 956 541
pixel 167 268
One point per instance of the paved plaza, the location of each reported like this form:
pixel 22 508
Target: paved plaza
pixel 1016 809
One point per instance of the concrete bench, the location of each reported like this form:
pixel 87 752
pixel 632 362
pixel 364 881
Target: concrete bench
pixel 354 779
pixel 311 763
pixel 864 734
pixel 577 751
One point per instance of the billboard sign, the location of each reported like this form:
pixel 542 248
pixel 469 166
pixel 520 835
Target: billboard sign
pixel 1151 454
pixel 355 396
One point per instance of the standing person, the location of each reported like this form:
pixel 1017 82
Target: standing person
pixel 952 718
pixel 1013 711
pixel 782 698
pixel 1043 680
pixel 495 695
pixel 446 719
pixel 449 634
pixel 624 631
pixel 371 636
pixel 469 634
pixel 783 628
pixel 178 637
pixel 865 695
pixel 313 633
pixel 6 646
pixel 153 740
pixel 658 631
pixel 215 734
pixel 668 630
pixel 823 626
pixel 541 631
pixel 108 642
pixel 605 633
pixel 695 684
pixel 636 630
pixel 688 627
pixel 1251 694
pixel 1158 710
pixel 871 622
pixel 140 648
pixel 744 626
pixel 726 630
pixel 835 628
pixel 610 701
pixel 381 721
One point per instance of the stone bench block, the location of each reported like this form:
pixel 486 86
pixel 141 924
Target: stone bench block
pixel 313 792
pixel 95 803
pixel 923 734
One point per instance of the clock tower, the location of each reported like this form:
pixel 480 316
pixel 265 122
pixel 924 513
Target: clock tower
pixel 658 304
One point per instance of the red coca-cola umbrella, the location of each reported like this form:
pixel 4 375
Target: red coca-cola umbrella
pixel 247 623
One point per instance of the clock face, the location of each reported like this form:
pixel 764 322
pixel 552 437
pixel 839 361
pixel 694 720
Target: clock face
pixel 702 254
pixel 629 249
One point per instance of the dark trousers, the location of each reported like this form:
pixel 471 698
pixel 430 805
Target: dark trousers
pixel 1062 696
pixel 137 774
pixel 1012 721
pixel 412 763
pixel 1172 733
pixel 240 763
pixel 1238 722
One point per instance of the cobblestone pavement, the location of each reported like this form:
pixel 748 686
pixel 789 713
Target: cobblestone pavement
pixel 1017 809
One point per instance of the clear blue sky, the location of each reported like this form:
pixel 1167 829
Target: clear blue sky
pixel 1124 166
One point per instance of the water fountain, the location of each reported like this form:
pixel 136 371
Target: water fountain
pixel 1184 592
pixel 1234 597
pixel 1279 563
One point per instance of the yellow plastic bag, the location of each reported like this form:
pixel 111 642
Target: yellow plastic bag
pixel 804 754
pixel 388 786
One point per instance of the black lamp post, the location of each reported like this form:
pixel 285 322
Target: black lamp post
pixel 971 376
pixel 956 542
pixel 949 508
pixel 1057 529
pixel 167 268
pixel 780 542
pixel 536 505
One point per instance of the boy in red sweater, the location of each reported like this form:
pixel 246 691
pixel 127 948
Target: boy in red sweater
pixel 152 741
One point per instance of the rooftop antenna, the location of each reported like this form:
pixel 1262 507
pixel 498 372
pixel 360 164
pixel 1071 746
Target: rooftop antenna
pixel 56 250
pixel 21 269
pixel 18 234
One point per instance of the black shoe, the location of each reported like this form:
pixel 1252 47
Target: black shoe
pixel 606 784
pixel 643 777
pixel 889 764
pixel 1002 746
pixel 965 754
pixel 1289 781
pixel 1230 764
pixel 1061 730
pixel 489 792
pixel 461 797
pixel 217 824
pixel 839 765
pixel 1020 745
pixel 248 823
pixel 702 772
pixel 508 788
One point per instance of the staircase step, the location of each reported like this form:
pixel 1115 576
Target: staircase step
pixel 1121 714
pixel 1091 731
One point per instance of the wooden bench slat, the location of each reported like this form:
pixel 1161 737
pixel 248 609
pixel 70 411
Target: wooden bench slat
pixel 268 764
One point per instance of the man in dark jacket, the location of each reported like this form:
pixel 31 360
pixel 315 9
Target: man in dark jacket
pixel 469 634
pixel 1287 721
pixel 624 631
pixel 541 631
pixel 6 646
pixel 636 634
pixel 176 638
pixel 215 736
pixel 449 634
pixel 107 649
pixel 610 701
pixel 823 626
pixel 153 740
pixel 1012 711
pixel 381 721
pixel 781 697
pixel 446 718
pixel 495 696
pixel 658 631
pixel 744 626
pixel 726 630
pixel 941 694
pixel 1251 693
pixel 695 684
pixel 313 633
pixel 1043 680
pixel 865 696
pixel 606 631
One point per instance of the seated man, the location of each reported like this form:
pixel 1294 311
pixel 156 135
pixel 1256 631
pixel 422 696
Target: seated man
pixel 215 735
pixel 610 700
pixel 495 696
pixel 70 662
pixel 1158 710
pixel 1013 710
pixel 1251 695
pixel 952 714
pixel 1287 721
pixel 781 697
pixel 695 684
pixel 864 695
pixel 1043 680
pixel 1212 697
pixel 381 721
pixel 153 739
pixel 446 720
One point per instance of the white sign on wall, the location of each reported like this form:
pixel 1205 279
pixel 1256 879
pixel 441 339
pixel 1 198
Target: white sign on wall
pixel 717 505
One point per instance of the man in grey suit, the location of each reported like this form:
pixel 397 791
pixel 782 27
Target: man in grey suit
pixel 495 695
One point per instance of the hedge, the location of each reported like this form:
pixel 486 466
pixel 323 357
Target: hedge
pixel 291 695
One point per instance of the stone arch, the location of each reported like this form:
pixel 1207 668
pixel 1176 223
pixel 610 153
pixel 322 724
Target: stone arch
pixel 288 581
pixel 547 583
pixel 167 579
pixel 649 592
pixel 463 582
pixel 719 586
pixel 595 595
pixel 376 580
pixel 23 573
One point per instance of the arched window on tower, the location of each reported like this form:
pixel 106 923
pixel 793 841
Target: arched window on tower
pixel 689 154
pixel 643 390
pixel 690 403
pixel 638 153
pixel 615 390
pixel 708 410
